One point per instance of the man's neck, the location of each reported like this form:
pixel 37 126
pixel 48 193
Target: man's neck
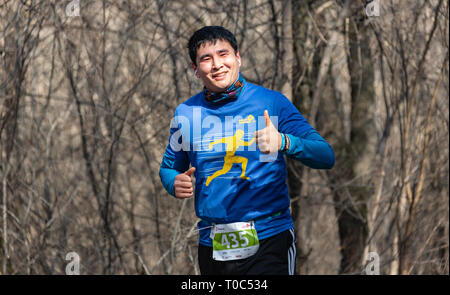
pixel 232 92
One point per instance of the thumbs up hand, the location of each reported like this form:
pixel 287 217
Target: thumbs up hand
pixel 183 184
pixel 268 140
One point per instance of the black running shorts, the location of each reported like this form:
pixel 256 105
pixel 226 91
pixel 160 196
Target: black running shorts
pixel 275 256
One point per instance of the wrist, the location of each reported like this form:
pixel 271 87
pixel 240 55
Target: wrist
pixel 287 143
pixel 281 141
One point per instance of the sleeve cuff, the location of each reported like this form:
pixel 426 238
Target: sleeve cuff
pixel 283 142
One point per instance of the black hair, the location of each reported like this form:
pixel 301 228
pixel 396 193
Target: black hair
pixel 210 34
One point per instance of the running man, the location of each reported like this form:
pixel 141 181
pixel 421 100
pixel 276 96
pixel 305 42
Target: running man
pixel 232 144
pixel 245 223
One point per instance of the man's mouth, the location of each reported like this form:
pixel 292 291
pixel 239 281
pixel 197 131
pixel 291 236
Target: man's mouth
pixel 219 76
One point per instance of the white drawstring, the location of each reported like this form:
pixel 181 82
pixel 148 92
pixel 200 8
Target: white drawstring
pixel 199 229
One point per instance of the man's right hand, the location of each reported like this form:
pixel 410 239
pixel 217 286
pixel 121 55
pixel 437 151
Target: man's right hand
pixel 183 184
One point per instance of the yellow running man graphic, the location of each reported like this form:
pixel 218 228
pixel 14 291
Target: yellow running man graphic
pixel 249 119
pixel 232 144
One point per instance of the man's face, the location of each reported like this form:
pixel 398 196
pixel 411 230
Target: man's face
pixel 217 65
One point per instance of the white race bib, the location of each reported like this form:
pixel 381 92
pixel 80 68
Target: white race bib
pixel 234 241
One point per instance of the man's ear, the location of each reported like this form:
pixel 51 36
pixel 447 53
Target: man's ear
pixel 194 67
pixel 238 57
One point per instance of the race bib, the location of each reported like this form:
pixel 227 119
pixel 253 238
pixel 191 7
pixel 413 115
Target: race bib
pixel 234 241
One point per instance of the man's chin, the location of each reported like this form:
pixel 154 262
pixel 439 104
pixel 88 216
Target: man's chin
pixel 219 87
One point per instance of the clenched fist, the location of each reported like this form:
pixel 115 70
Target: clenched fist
pixel 183 184
pixel 268 140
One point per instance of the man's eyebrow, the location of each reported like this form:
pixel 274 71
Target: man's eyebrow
pixel 222 50
pixel 204 55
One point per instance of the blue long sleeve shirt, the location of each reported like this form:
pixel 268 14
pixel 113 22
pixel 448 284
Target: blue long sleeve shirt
pixel 234 180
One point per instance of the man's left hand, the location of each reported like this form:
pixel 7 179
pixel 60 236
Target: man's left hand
pixel 268 140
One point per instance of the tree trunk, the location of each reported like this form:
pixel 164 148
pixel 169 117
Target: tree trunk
pixel 287 47
pixel 358 151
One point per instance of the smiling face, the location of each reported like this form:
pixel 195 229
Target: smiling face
pixel 217 65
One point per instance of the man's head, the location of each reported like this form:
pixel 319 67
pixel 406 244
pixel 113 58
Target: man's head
pixel 215 57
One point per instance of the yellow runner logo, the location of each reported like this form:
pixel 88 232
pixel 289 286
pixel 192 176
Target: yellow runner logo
pixel 232 144
pixel 249 119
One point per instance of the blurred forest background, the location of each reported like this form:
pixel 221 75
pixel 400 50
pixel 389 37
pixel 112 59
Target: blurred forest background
pixel 88 88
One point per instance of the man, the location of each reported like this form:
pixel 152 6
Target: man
pixel 234 134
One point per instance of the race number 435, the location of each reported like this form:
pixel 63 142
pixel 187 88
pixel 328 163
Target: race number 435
pixel 234 241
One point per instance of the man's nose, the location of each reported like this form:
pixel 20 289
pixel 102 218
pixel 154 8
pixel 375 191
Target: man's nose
pixel 217 62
